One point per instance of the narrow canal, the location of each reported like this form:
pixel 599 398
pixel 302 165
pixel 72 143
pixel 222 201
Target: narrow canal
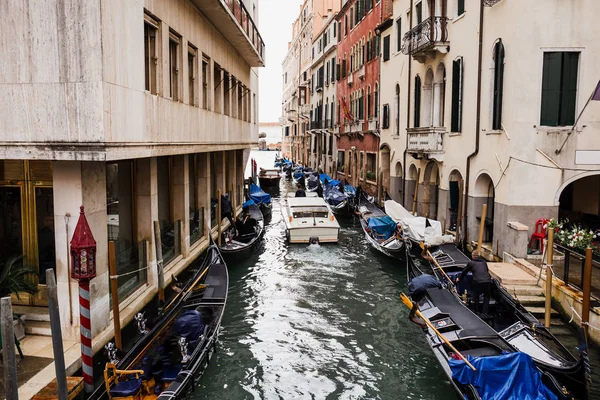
pixel 319 322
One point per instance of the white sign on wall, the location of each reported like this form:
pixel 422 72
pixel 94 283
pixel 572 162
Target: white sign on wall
pixel 587 157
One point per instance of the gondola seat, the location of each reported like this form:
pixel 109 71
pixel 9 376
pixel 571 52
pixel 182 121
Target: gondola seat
pixel 130 388
pixel 170 373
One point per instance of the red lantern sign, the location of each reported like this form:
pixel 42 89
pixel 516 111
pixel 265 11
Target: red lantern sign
pixel 83 250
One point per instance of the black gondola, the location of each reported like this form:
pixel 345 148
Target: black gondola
pixel 312 182
pixel 506 319
pixel 250 228
pixel 338 200
pixel 168 359
pixel 380 230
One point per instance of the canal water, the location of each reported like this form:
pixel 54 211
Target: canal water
pixel 319 322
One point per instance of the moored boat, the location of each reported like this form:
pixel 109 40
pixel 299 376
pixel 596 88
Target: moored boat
pixel 249 230
pixel 312 182
pixel 309 218
pixel 337 200
pixel 380 230
pixel 169 357
pixel 506 317
pixel 262 199
pixel 269 177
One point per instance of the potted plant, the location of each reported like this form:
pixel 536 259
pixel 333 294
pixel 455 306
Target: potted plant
pixel 16 278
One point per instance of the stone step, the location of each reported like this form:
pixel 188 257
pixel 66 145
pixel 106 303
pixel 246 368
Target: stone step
pixel 32 313
pixel 524 290
pixel 510 274
pixel 540 311
pixel 41 328
pixel 528 300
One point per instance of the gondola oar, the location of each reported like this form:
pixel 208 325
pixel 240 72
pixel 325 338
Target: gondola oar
pixel 410 305
pixel 436 263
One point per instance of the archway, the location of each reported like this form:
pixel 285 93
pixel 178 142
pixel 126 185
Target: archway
pixel 439 93
pixel 355 168
pixel 384 157
pixel 396 184
pixel 431 181
pixel 428 99
pixel 483 193
pixel 411 184
pixel 579 202
pixel 455 199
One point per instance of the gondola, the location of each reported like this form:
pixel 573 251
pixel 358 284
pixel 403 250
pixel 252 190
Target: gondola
pixel 170 357
pixel 298 176
pixel 312 182
pixel 506 317
pixel 337 200
pixel 380 230
pixel 250 228
pixel 269 178
pixel 262 199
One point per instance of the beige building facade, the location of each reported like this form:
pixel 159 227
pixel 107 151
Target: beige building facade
pixel 140 112
pixel 484 109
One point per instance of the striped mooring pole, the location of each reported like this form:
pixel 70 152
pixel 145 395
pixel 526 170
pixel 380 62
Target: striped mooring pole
pixel 85 321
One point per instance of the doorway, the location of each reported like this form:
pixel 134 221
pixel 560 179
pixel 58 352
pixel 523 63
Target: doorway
pixel 27 221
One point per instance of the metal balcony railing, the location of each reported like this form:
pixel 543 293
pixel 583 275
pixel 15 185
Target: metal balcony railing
pixel 242 16
pixel 432 31
pixel 426 140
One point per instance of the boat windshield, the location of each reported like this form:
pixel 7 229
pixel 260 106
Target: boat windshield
pixel 310 212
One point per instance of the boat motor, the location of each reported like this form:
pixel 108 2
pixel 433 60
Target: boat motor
pixel 313 240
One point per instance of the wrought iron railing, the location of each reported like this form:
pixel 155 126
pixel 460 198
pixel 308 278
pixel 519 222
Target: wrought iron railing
pixel 425 35
pixel 242 16
pixel 490 3
pixel 571 269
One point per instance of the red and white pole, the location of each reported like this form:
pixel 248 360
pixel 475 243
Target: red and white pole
pixel 85 321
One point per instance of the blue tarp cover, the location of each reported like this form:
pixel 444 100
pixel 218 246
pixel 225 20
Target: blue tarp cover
pixel 382 226
pixel 421 283
pixel 325 178
pixel 335 182
pixel 189 325
pixel 258 195
pixel 332 195
pixel 507 376
pixel 298 174
pixel 248 203
pixel 351 190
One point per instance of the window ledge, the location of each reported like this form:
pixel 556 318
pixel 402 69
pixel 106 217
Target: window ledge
pixel 494 132
pixel 461 16
pixel 455 134
pixel 551 130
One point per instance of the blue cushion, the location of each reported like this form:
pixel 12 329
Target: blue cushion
pixel 126 388
pixel 170 373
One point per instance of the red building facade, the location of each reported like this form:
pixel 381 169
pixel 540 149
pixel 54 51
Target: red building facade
pixel 357 128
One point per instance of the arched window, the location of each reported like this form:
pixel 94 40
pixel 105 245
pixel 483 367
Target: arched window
pixel 498 84
pixel 397 109
pixel 417 116
pixel 369 103
pixel 457 95
pixel 369 45
pixel 332 111
pixel 376 100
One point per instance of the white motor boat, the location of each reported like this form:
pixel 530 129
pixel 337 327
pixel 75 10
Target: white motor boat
pixel 308 219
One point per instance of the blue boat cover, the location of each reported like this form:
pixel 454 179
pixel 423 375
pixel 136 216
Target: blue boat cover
pixel 382 226
pixel 421 283
pixel 298 174
pixel 332 195
pixel 335 182
pixel 189 325
pixel 325 178
pixel 507 376
pixel 248 203
pixel 258 195
pixel 351 190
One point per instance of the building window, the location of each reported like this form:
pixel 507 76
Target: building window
pixel 376 101
pixel 419 10
pixel 346 25
pixel 559 88
pixel 226 93
pixel 417 116
pixel 385 120
pixel 397 110
pixel 334 28
pixel 341 160
pixel 240 100
pixel 174 41
pixel 217 87
pixel 170 232
pixel 192 72
pixel 150 53
pixel 498 85
pixel 369 103
pixel 351 18
pixel 196 225
pixel 205 78
pixel 457 95
pixel 398 34
pixel 461 7
pixel 371 167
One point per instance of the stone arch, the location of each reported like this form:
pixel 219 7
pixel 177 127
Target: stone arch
pixel 385 165
pixel 579 200
pixel 483 193
pixel 439 94
pixel 411 183
pixel 396 190
pixel 455 201
pixel 427 102
pixel 431 182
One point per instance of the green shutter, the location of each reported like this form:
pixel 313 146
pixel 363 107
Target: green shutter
pixel 417 116
pixel 454 125
pixel 568 95
pixel 551 88
pixel 461 7
pixel 386 48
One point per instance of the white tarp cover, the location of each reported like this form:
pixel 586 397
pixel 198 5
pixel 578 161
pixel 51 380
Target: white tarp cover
pixel 396 211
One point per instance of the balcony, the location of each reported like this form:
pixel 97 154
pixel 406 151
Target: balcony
pixel 234 22
pixel 350 80
pixel 357 127
pixel 427 38
pixel 305 109
pixel 291 115
pixel 373 126
pixel 336 130
pixel 347 128
pixel 428 141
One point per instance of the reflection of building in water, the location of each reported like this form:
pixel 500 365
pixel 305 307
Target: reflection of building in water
pixel 140 125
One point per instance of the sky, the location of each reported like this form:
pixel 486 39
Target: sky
pixel 275 25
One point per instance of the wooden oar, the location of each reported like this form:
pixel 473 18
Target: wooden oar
pixel 435 262
pixel 410 305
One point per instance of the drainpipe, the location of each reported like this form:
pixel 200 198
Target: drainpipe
pixel 407 112
pixel 477 127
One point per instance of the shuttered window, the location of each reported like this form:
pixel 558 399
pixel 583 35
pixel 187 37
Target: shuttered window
pixel 457 95
pixel 559 88
pixel 498 85
pixel 385 123
pixel 398 34
pixel 386 48
pixel 417 116
pixel 461 7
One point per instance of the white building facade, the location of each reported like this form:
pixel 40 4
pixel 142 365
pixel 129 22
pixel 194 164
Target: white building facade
pixel 468 138
pixel 140 112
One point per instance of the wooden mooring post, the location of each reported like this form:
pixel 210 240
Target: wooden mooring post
pixel 159 261
pixel 219 218
pixel 416 194
pixel 481 228
pixel 8 350
pixel 114 289
pixel 548 292
pixel 587 290
pixel 57 344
